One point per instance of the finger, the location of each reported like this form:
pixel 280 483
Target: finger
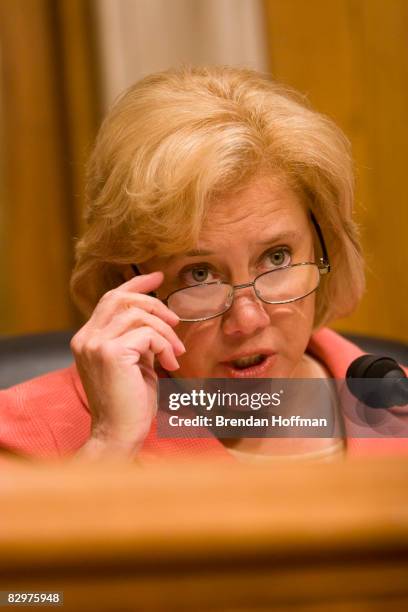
pixel 118 299
pixel 136 317
pixel 144 282
pixel 146 364
pixel 142 340
pixel 151 304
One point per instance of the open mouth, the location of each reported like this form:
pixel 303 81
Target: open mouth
pixel 247 362
pixel 252 366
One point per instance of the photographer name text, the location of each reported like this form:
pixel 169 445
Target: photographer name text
pixel 249 421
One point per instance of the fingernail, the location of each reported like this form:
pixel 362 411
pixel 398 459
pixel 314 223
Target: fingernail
pixel 181 349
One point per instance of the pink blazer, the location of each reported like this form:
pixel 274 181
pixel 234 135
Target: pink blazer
pixel 48 416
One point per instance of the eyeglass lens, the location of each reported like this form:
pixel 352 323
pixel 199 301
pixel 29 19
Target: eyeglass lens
pixel 286 284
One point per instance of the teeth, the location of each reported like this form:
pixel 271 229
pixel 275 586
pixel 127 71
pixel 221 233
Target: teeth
pixel 244 362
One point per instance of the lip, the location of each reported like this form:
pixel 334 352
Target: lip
pixel 255 371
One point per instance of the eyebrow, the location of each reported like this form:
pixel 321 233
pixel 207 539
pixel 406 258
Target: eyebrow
pixel 288 235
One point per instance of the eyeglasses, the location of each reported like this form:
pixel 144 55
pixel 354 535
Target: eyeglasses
pixel 280 286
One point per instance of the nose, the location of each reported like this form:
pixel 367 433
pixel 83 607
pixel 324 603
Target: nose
pixel 246 316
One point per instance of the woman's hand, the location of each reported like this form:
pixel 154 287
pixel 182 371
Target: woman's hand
pixel 114 353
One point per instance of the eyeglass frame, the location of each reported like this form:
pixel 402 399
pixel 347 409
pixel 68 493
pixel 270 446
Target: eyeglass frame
pixel 323 267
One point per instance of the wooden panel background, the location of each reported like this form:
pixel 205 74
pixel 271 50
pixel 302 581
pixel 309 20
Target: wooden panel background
pixel 351 58
pixel 49 116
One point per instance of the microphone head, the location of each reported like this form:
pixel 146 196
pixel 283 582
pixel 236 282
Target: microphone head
pixel 374 380
pixel 373 366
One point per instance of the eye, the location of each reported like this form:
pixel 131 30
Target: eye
pixel 198 274
pixel 277 258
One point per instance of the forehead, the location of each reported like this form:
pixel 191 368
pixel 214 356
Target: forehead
pixel 267 209
pixel 266 205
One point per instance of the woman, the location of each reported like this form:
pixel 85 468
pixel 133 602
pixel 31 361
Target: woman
pixel 213 193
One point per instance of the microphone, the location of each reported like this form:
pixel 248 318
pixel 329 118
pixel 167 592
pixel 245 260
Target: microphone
pixel 377 381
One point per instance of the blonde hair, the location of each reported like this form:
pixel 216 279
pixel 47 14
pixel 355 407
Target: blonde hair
pixel 176 140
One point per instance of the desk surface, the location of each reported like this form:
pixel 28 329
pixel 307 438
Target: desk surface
pixel 208 536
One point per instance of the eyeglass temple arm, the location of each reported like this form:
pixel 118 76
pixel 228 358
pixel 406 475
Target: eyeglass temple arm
pixel 325 259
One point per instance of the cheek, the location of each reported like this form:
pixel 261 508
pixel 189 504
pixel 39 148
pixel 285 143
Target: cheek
pixel 191 335
pixel 292 324
pixel 298 316
pixel 200 339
